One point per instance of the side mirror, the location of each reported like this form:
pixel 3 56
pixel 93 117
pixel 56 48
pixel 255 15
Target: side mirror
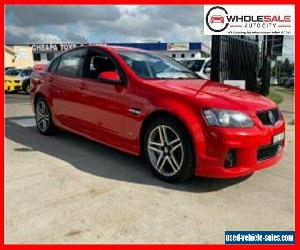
pixel 207 70
pixel 109 76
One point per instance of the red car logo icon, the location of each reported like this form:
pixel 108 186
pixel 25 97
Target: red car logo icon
pixel 217 19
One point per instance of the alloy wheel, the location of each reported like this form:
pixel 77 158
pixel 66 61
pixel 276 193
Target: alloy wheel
pixel 42 116
pixel 165 150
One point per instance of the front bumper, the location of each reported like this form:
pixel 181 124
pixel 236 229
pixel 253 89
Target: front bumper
pixel 246 142
pixel 12 86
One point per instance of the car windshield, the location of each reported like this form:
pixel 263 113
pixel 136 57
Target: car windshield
pixel 154 66
pixel 12 72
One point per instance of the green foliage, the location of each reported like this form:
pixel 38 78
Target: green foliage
pixel 275 97
pixel 283 69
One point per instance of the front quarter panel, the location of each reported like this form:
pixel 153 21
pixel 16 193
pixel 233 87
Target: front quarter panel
pixel 150 101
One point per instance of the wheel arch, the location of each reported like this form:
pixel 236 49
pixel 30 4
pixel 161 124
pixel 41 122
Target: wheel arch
pixel 36 96
pixel 163 113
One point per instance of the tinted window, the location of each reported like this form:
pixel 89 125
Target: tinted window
pixel 71 63
pixel 53 65
pixel 12 72
pixel 208 64
pixel 26 73
pixel 194 65
pixel 97 63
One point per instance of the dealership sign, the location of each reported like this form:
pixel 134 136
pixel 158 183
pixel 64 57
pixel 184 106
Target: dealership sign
pixel 249 20
pixel 178 47
pixel 52 47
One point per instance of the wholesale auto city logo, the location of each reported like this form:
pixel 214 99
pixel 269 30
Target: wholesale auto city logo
pixel 249 20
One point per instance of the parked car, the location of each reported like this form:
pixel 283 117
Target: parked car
pixel 289 83
pixel 147 104
pixel 8 68
pixel 201 66
pixel 17 79
pixel 273 80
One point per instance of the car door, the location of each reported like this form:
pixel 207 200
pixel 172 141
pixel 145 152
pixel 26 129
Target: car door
pixel 101 108
pixel 64 78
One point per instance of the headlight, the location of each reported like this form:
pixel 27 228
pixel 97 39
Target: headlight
pixel 227 118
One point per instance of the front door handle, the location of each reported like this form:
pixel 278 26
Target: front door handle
pixel 83 86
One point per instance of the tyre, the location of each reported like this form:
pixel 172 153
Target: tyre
pixel 26 87
pixel 43 117
pixel 168 150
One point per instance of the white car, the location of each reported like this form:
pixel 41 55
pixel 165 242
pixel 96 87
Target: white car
pixel 201 66
pixel 273 80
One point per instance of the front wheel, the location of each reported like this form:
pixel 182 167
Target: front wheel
pixel 43 117
pixel 169 150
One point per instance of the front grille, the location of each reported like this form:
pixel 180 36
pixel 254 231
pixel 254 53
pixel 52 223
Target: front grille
pixel 269 117
pixel 267 152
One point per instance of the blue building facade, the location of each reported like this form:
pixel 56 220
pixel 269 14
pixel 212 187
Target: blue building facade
pixel 44 53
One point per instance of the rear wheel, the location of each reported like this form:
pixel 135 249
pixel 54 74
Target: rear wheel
pixel 168 150
pixel 43 117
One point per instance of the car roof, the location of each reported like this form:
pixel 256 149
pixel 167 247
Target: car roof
pixel 114 48
pixel 195 59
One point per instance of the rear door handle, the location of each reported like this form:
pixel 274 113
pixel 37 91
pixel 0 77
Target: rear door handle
pixel 83 86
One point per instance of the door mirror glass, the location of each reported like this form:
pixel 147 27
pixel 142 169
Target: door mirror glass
pixel 109 76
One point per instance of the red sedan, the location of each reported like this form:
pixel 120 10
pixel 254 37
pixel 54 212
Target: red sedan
pixel 150 105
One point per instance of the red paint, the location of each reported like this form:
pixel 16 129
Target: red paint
pixel 100 111
pixel 109 75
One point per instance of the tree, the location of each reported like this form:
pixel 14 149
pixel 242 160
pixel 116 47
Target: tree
pixel 281 69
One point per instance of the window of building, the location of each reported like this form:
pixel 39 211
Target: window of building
pixel 71 63
pixel 192 55
pixel 50 56
pixel 173 55
pixel 182 56
pixel 37 57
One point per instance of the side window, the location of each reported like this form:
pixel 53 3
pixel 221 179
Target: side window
pixel 53 66
pixel 97 64
pixel 71 63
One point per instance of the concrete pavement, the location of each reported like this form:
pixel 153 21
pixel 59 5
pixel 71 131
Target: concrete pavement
pixel 66 189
